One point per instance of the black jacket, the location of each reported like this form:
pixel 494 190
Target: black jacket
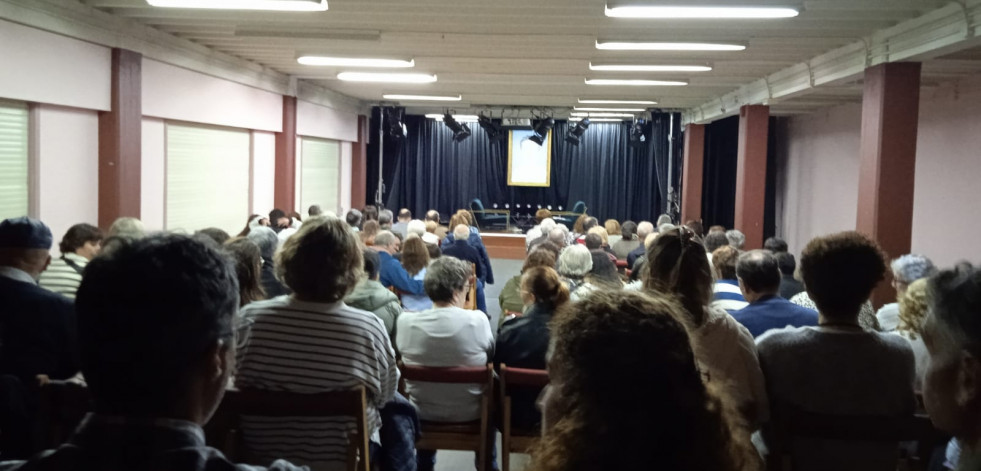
pixel 37 328
pixel 270 284
pixel 462 250
pixel 522 343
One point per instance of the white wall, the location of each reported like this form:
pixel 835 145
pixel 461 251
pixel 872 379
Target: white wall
pixel 263 172
pixel 819 173
pixel 153 169
pixel 347 162
pixel 67 153
pixel 327 123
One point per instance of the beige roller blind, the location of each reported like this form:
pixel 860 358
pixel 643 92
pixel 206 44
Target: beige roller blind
pixel 207 178
pixel 319 173
pixel 13 159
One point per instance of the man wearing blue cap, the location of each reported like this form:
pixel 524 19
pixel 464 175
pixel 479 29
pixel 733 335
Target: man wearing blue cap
pixel 37 327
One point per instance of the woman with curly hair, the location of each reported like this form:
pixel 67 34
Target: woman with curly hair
pixel 913 305
pixel 626 393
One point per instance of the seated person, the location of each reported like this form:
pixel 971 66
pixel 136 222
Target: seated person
pixel 789 286
pixel 775 245
pixel 594 241
pixel 866 315
pixel 537 234
pixel 644 229
pixel 612 227
pixel 392 274
pixel 905 270
pixel 726 294
pixel 628 240
pixel 511 299
pixel 445 336
pixel 461 249
pixel 369 295
pixel 838 367
pixel 759 280
pixel 79 245
pixel 953 335
pixel 156 370
pixel 625 394
pixel 602 276
pixel 573 264
pixel 248 269
pixel 466 218
pixel 714 240
pixel 268 243
pixel 312 342
pixel 912 312
pixel 415 259
pixel 523 341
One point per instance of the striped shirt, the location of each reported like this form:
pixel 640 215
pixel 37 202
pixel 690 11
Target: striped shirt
pixel 728 296
pixel 61 277
pixel 306 347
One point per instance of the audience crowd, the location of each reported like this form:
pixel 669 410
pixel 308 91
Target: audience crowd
pixel 665 347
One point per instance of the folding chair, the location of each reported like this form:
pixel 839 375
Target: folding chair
pixel 517 440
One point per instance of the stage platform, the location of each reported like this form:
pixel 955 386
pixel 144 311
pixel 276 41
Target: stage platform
pixel 504 245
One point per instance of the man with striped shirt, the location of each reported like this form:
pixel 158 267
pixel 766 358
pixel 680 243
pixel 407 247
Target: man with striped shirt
pixel 80 244
pixel 727 294
pixel 312 342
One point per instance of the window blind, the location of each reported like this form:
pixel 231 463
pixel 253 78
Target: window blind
pixel 319 173
pixel 13 159
pixel 207 178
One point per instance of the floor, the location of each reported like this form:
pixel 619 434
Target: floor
pixel 461 460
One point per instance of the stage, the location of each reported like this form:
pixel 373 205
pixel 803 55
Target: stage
pixel 504 245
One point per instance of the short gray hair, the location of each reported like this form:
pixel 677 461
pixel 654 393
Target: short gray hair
pixel 955 298
pixel 547 225
pixel 664 219
pixel 557 236
pixel 644 229
pixel 385 216
pixel 266 239
pixel 416 227
pixel 912 267
pixel 575 261
pixel 384 238
pixel 444 277
pixel 664 228
pixel 127 227
pixel 736 238
pixel 461 232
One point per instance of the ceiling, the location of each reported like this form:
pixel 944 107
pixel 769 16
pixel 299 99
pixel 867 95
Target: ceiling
pixel 537 52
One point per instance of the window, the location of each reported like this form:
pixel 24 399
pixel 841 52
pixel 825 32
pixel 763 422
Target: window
pixel 13 160
pixel 207 177
pixel 319 173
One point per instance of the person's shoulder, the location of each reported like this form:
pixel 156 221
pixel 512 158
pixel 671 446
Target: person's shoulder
pixel 776 339
pixel 892 342
pixel 265 305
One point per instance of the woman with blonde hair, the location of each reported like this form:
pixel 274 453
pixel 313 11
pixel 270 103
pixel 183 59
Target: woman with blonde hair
pixel 626 393
pixel 415 259
pixel 466 218
pixel 612 227
pixel 913 306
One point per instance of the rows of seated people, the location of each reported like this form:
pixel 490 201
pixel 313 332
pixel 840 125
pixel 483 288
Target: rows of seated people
pixel 665 347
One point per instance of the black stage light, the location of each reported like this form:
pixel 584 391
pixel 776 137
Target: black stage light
pixel 541 131
pixel 494 131
pixel 460 131
pixel 394 122
pixel 637 136
pixel 575 134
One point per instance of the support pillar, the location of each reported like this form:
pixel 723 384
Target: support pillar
pixel 359 165
pixel 693 173
pixel 890 115
pixel 754 122
pixel 285 180
pixel 120 140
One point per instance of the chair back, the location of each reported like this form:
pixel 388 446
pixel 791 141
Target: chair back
pixel 522 377
pixel 483 375
pixel 225 433
pixel 471 302
pixel 476 205
pixel 517 440
pixel 61 407
pixel 579 207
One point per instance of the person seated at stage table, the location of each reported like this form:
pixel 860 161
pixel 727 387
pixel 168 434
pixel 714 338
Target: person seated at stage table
pixel 726 288
pixel 510 298
pixel 461 249
pixel 466 218
pixel 415 259
pixel 905 270
pixel 392 273
pixel 627 242
pixel 644 229
pixel 612 227
pixel 759 280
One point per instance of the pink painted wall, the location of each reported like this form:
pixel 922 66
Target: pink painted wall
pixel 817 177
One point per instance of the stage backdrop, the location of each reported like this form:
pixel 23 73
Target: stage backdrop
pixel 428 170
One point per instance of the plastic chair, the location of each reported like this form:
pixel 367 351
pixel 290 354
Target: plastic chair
pixel 517 440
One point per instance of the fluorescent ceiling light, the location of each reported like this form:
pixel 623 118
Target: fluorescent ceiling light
pixel 617 102
pixel 704 12
pixel 666 46
pixel 422 97
pixel 282 5
pixel 386 78
pixel 355 62
pixel 621 110
pixel 598 120
pixel 458 117
pixel 602 115
pixel 648 83
pixel 649 68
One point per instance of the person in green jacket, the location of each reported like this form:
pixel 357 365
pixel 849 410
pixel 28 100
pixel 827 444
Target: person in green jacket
pixel 371 296
pixel 510 297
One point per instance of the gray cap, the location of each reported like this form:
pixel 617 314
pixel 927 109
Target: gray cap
pixel 24 233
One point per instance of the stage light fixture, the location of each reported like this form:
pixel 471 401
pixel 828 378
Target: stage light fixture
pixel 493 130
pixel 637 136
pixel 574 136
pixel 541 131
pixel 395 123
pixel 460 131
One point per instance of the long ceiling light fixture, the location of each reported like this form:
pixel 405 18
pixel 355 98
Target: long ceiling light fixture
pixel 459 117
pixel 271 5
pixel 637 83
pixel 378 77
pixel 394 96
pixel 620 110
pixel 355 62
pixel 577 114
pixel 666 46
pixel 648 68
pixel 597 120
pixel 700 12
pixel 616 102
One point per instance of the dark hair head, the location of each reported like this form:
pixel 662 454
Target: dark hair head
pixel 604 271
pixel 415 255
pixel 593 241
pixel 353 218
pixel 372 263
pixel 385 217
pixel 276 215
pixel 724 261
pixel 432 215
pixel 714 240
pixel 148 314
pixel 315 210
pixel 627 388
pixel 628 229
pixel 786 262
pixel 434 251
pixel 78 235
pixel 444 277
pixel 955 301
pixel 404 214
pixel 540 257
pixel 840 270
pixel 696 226
pixel 321 262
pixel 215 234
pixel 759 271
pixel 248 269
pixel 579 227
pixel 546 286
pixel 676 265
pixel 717 228
pixel 775 245
pixel 589 223
pixel 370 212
pixel 541 214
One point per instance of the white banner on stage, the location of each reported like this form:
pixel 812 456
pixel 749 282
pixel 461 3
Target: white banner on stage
pixel 529 164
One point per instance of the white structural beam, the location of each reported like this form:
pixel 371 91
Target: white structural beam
pixel 948 29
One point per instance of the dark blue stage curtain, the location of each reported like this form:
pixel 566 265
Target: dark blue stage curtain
pixel 614 179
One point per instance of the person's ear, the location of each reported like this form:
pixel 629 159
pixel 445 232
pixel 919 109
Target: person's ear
pixel 968 379
pixel 47 262
pixel 221 359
